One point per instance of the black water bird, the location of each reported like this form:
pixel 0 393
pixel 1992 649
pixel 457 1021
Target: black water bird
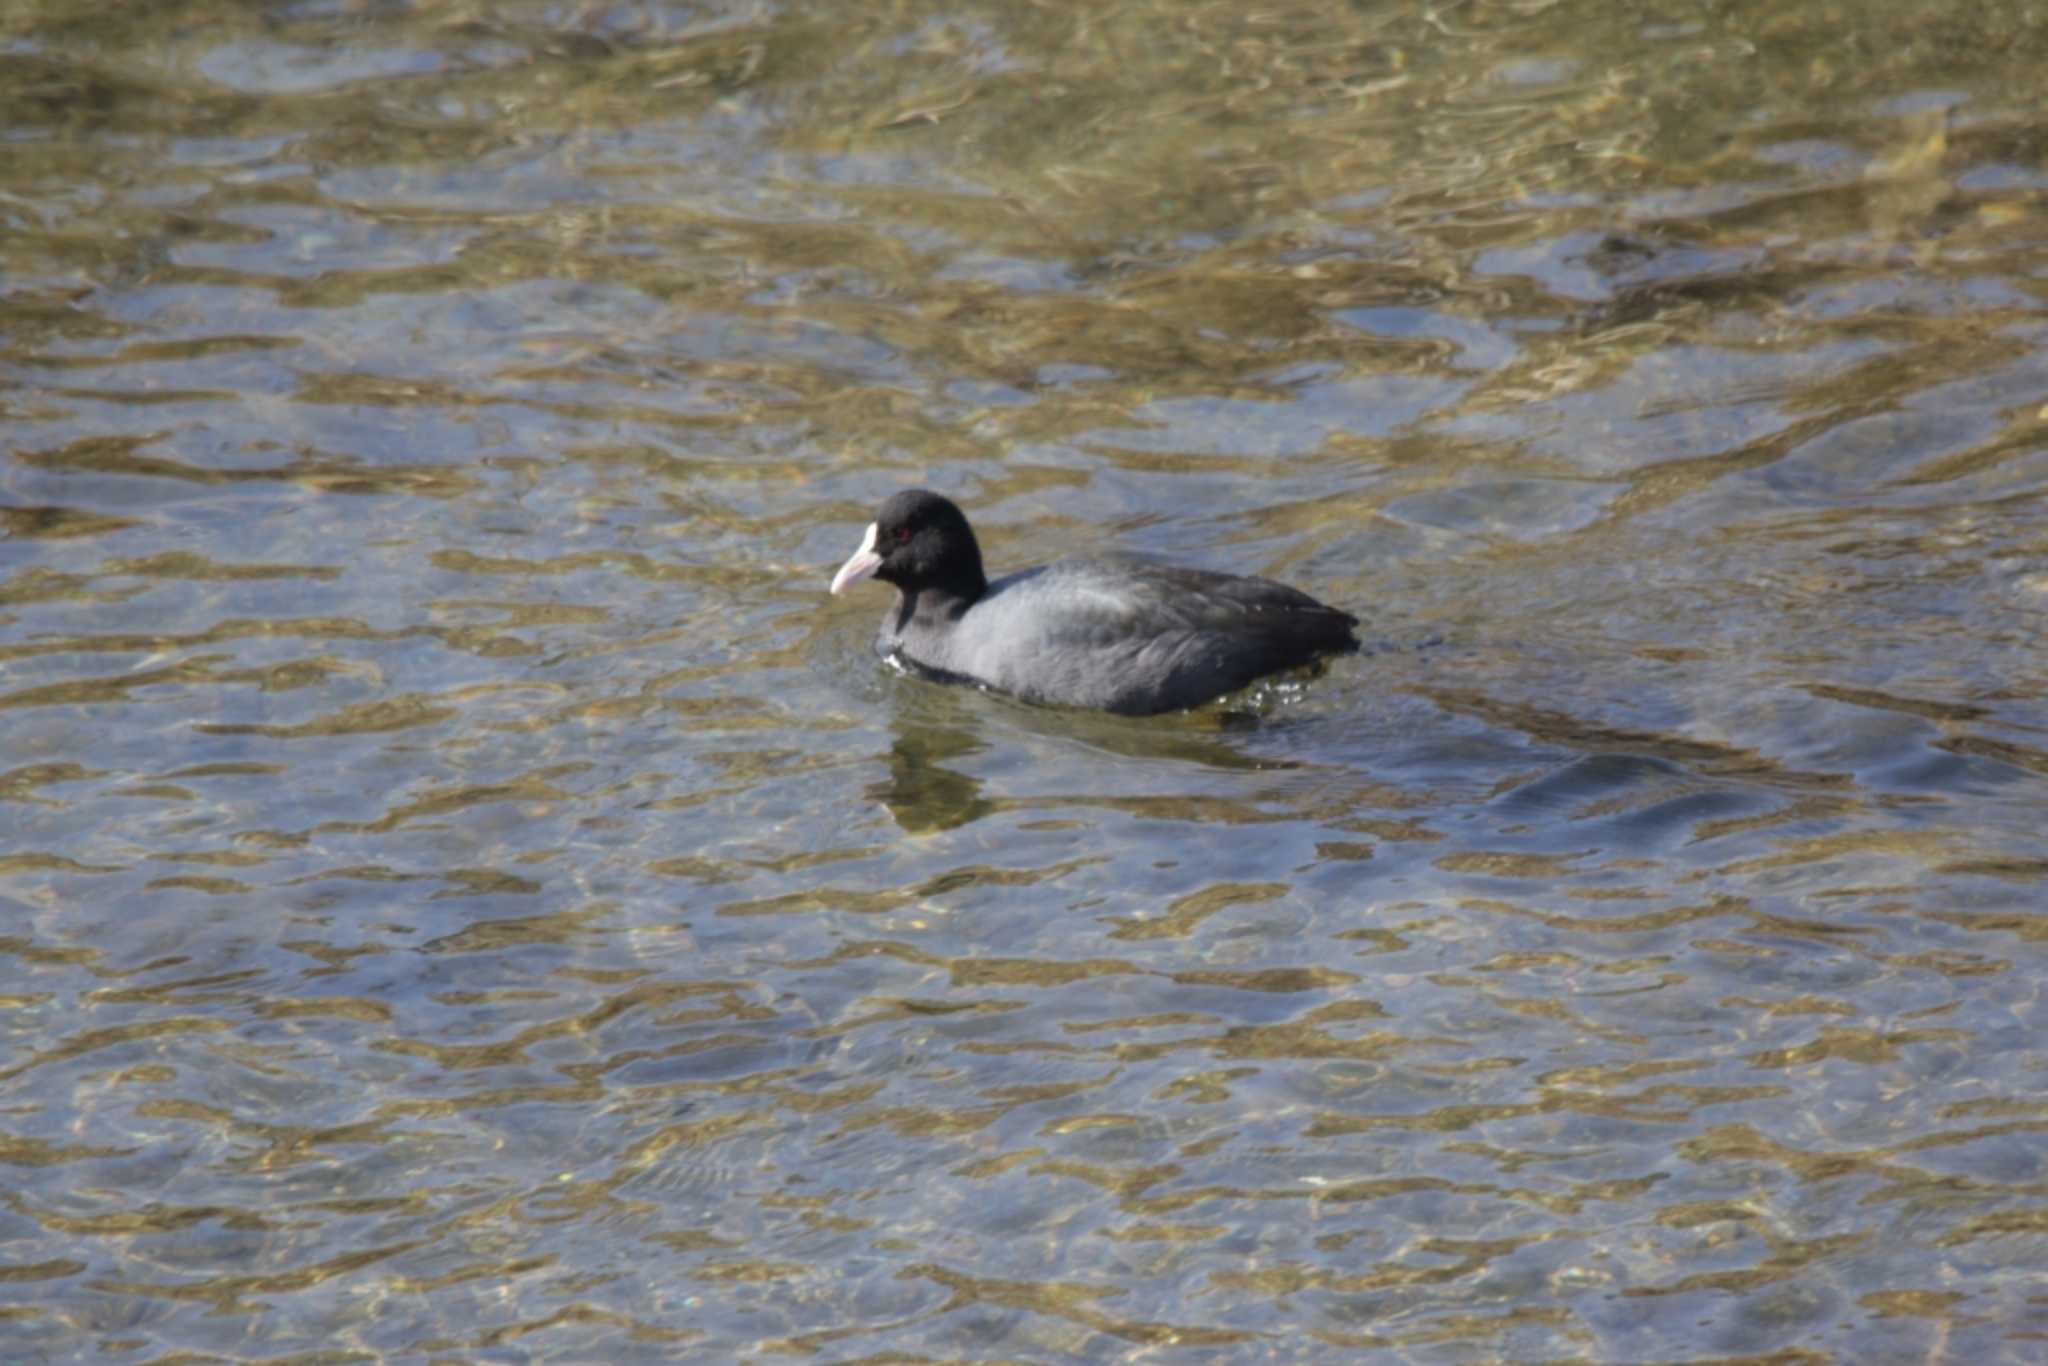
pixel 1120 633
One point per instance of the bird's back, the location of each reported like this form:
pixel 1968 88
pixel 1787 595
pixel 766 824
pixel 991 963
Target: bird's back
pixel 1124 633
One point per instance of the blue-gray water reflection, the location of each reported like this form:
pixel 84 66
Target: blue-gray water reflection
pixel 468 893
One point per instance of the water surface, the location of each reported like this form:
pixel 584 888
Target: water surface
pixel 468 894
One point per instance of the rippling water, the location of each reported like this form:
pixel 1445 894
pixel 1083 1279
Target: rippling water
pixel 468 894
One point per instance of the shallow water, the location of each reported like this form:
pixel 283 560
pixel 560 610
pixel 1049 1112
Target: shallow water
pixel 469 894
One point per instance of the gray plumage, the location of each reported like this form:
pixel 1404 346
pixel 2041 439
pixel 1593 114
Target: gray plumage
pixel 1115 632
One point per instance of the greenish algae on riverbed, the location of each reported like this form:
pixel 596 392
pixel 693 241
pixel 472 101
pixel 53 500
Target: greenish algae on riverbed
pixel 468 894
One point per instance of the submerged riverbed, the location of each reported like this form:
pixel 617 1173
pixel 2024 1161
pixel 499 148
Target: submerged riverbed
pixel 467 893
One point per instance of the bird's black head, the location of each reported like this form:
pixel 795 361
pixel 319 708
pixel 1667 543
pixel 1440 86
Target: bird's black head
pixel 918 540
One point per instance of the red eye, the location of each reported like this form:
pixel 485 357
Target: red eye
pixel 902 533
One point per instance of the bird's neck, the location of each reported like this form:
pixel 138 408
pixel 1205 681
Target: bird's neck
pixel 935 604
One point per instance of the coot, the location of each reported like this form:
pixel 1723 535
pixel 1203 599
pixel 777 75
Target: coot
pixel 1122 633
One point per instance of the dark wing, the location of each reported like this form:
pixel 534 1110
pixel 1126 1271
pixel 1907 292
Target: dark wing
pixel 1131 634
pixel 1114 596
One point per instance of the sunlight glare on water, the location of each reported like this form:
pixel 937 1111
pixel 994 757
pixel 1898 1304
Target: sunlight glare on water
pixel 468 893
